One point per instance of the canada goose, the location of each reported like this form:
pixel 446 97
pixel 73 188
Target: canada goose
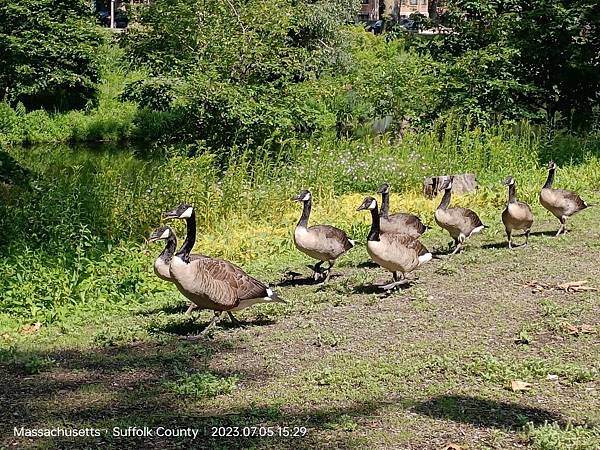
pixel 460 223
pixel 213 283
pixel 163 261
pixel 395 252
pixel 517 215
pixel 559 202
pixel 320 242
pixel 404 223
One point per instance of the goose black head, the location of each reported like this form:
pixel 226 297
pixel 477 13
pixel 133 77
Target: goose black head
pixel 384 189
pixel 368 203
pixel 552 165
pixel 303 196
pixel 509 181
pixel 160 234
pixel 183 211
pixel 447 184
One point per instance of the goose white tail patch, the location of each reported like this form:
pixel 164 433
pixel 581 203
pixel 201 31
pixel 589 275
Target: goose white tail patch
pixel 272 296
pixel 478 229
pixel 353 243
pixel 424 258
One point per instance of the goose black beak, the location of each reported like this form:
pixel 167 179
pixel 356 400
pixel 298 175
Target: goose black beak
pixel 174 214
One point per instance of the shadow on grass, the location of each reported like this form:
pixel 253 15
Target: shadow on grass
pixel 154 384
pixel 166 309
pixel 484 412
pixel 192 325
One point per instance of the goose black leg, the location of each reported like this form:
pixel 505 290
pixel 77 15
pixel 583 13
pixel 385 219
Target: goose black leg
pixel 318 272
pixel 509 237
pixel 328 272
pixel 563 227
pixel 527 236
pixel 212 323
pixel 458 248
pixel 192 307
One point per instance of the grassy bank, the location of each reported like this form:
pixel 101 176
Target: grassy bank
pixel 86 212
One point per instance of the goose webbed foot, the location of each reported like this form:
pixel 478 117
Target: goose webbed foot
pixel 234 320
pixel 457 249
pixel 399 280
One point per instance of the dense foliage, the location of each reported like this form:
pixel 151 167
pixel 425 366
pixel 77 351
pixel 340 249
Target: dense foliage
pixel 522 58
pixel 48 53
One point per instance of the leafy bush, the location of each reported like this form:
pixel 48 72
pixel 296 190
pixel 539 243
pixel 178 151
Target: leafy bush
pixel 49 53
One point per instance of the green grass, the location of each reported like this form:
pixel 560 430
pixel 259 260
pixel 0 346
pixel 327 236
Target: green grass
pixel 424 367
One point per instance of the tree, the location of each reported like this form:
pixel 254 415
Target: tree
pixel 232 67
pixel 48 53
pixel 550 48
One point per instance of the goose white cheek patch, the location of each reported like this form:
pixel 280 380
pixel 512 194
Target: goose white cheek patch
pixel 373 204
pixel 187 213
pixel 165 234
pixel 306 197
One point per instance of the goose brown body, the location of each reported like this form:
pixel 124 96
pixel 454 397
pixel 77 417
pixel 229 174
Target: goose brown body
pixel 561 203
pixel 460 223
pixel 213 283
pixel 395 252
pixel 320 242
pixel 217 284
pixel 517 215
pixel 404 223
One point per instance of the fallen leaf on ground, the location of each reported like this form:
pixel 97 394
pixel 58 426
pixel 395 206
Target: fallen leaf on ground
pixel 536 286
pixel 575 286
pixel 453 447
pixel 568 286
pixel 517 385
pixel 574 329
pixel 585 328
pixel 30 329
pixel 570 328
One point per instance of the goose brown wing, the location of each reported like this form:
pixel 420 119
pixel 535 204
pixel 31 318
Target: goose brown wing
pixel 244 286
pixel 408 220
pixel 331 232
pixel 470 217
pixel 573 202
pixel 406 241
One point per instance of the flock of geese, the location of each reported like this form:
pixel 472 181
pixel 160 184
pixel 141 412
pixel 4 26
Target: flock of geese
pixel 393 243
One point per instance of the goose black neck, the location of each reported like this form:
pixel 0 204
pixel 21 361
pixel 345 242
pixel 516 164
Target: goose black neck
pixel 169 251
pixel 550 179
pixel 512 193
pixel 385 205
pixel 374 231
pixel 445 199
pixel 190 238
pixel 303 222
